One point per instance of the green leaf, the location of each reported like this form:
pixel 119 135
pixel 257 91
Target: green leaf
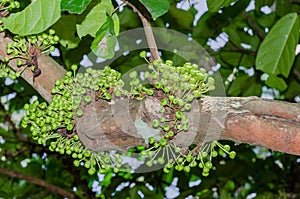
pixel 35 18
pixel 276 82
pixel 283 7
pixel 74 6
pixel 216 5
pixel 65 28
pixel 105 41
pixel 277 52
pixel 183 18
pixel 229 185
pixel 243 85
pixel 168 177
pixel 265 195
pixel 95 19
pixel 224 194
pixel 116 22
pixel 156 8
pixel 233 33
pixel 267 20
pixel 128 19
pixel 292 90
pixel 231 58
pixel 133 192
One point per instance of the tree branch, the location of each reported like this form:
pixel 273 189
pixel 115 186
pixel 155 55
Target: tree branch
pixel 148 31
pixel 51 71
pixel 269 123
pixel 255 26
pixel 39 182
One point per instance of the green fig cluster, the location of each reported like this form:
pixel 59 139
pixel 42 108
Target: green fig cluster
pixel 180 86
pixel 54 124
pixel 171 156
pixel 137 89
pixel 176 88
pixel 6 71
pixel 25 50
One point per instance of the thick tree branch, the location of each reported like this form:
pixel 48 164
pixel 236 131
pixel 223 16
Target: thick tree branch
pixel 269 123
pixel 38 182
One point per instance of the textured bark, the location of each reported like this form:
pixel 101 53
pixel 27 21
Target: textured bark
pixel 45 81
pixel 269 123
pixel 125 123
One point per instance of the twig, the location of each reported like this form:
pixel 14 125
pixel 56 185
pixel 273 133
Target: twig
pixel 148 32
pixel 39 182
pixel 296 72
pixel 114 10
pixel 254 26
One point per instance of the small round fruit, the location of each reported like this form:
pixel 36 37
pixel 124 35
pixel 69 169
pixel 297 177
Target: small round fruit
pixel 92 171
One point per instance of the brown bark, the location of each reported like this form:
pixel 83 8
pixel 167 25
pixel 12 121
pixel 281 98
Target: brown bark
pixel 45 81
pixel 269 123
pixel 123 123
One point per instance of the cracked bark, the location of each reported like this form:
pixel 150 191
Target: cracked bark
pixel 269 123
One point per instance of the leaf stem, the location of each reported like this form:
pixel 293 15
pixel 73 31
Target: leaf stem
pixel 148 31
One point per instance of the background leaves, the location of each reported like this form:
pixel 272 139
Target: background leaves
pixel 277 52
pixel 216 5
pixel 65 28
pixel 35 18
pixel 95 19
pixel 74 6
pixel 156 8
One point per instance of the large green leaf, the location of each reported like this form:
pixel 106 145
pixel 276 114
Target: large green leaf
pixel 156 8
pixel 276 82
pixel 66 28
pixel 95 19
pixel 105 40
pixel 277 52
pixel 35 18
pixel 74 6
pixel 216 5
